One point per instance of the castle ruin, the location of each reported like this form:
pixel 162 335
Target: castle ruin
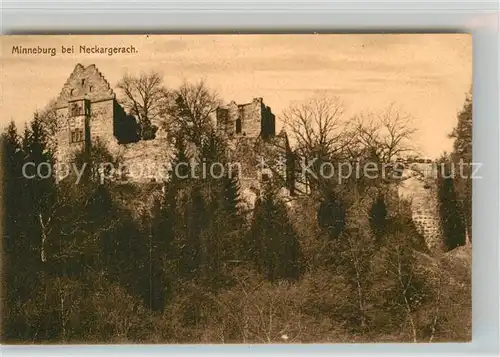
pixel 88 111
pixel 419 187
pixel 251 119
pixel 250 130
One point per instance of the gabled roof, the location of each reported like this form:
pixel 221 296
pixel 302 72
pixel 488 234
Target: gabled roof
pixel 95 86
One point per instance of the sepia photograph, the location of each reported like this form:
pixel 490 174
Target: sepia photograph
pixel 236 189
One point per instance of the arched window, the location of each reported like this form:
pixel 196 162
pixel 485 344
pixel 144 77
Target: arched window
pixel 238 126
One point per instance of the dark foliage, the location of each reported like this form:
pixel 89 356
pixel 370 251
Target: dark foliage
pixel 462 157
pixel 331 215
pixel 272 243
pixel 189 265
pixel 450 213
pixel 378 217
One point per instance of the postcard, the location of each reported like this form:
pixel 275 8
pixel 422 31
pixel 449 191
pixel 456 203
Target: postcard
pixel 299 188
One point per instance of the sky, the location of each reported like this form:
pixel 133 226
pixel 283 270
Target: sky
pixel 425 75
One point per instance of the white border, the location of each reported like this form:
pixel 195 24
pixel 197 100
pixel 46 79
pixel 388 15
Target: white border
pixel 478 18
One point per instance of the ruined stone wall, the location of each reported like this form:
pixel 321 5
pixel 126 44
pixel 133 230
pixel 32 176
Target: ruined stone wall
pixel 233 114
pixel 62 135
pixel 87 89
pixel 65 149
pixel 144 161
pixel 97 126
pixel 255 118
pixel 222 117
pixel 244 152
pixel 419 186
pixel 251 118
pixel 101 121
pixel 140 161
pixel 147 161
pixel 268 122
pixel 261 160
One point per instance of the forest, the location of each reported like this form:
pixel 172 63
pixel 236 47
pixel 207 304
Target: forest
pixel 343 262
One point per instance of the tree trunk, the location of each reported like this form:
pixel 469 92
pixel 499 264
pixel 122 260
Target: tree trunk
pixel 43 255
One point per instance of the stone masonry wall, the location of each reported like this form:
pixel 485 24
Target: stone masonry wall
pixel 251 118
pixel 86 87
pixel 147 161
pixel 255 118
pixel 143 161
pixel 419 187
pixel 99 125
pixel 85 82
pixel 65 125
pixel 101 121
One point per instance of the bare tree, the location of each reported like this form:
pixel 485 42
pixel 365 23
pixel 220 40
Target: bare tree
pixel 407 283
pixel 48 116
pixel 402 268
pixel 317 129
pixel 356 260
pixel 316 126
pixel 385 136
pixel 265 313
pixel 190 109
pixel 144 97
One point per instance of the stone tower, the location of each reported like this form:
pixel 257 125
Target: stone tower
pixel 87 111
pixel 250 119
pixel 250 129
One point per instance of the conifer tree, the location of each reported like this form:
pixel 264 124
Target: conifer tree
pixel 462 155
pixel 378 217
pixel 40 190
pixel 452 224
pixel 272 243
pixel 168 230
pixel 28 199
pixel 12 162
pixel 16 277
pixel 331 215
